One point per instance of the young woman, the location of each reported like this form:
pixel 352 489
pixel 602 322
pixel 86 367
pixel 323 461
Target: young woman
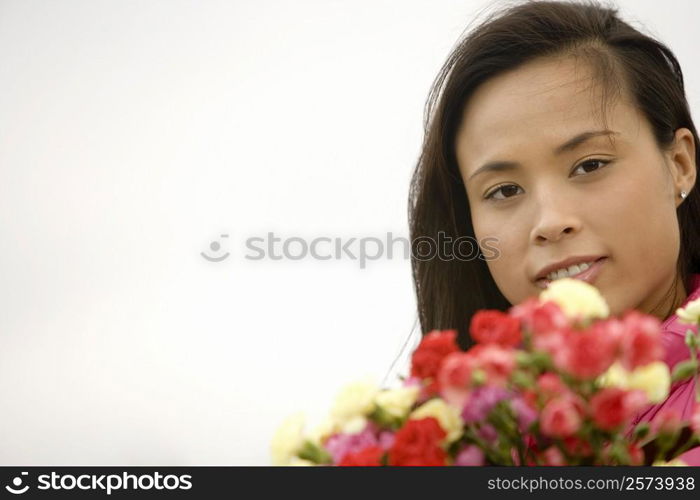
pixel 557 135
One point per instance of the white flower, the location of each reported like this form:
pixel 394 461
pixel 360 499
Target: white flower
pixel 356 399
pixel 354 425
pixel 288 439
pixel 690 313
pixel 397 402
pixel 326 428
pixel 576 298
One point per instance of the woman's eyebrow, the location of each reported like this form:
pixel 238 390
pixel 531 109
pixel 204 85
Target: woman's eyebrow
pixel 576 141
pixel 569 145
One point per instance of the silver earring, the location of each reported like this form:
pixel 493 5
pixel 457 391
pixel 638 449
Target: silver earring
pixel 683 194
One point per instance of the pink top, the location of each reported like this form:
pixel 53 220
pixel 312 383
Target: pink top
pixel 682 394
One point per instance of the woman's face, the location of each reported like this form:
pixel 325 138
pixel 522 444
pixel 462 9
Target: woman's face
pixel 609 195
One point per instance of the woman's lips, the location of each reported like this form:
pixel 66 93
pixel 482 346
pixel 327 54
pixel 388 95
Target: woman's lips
pixel 589 275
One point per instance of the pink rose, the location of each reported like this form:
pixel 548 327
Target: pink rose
pixel 454 377
pixel 550 386
pixel 560 418
pixel 498 362
pixel 539 317
pixel 552 456
pixel 641 342
pixel 552 342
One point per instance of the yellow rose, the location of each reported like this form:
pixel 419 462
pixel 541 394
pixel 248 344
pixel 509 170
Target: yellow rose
pixel 690 313
pixel 447 416
pixel 355 399
pixel 287 440
pixel 576 298
pixel 397 402
pixel 654 379
pixel 615 376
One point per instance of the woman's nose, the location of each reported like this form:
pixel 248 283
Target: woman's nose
pixel 553 233
pixel 556 219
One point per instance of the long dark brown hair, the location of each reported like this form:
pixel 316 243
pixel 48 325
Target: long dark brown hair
pixel 450 291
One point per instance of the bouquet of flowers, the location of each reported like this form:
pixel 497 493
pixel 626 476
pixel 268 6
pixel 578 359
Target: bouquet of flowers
pixel 552 381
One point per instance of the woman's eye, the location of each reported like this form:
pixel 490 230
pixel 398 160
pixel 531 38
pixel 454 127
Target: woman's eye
pixel 591 162
pixel 510 190
pixel 505 189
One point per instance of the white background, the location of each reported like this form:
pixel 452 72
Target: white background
pixel 132 135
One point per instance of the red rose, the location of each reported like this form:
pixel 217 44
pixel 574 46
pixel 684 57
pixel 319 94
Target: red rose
pixel 574 445
pixel 370 456
pixel 613 406
pixel 641 342
pixel 589 353
pixel 426 359
pixel 490 326
pixel 418 443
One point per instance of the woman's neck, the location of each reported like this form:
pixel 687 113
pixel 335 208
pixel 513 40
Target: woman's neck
pixel 674 297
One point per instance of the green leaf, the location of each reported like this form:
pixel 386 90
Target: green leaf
pixel 684 369
pixel 384 418
pixel 541 360
pixel 314 453
pixel 523 379
pixel 523 359
pixel 641 431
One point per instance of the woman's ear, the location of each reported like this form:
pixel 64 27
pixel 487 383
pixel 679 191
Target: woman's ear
pixel 681 160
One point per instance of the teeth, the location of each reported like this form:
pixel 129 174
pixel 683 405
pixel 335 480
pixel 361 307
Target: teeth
pixel 570 271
